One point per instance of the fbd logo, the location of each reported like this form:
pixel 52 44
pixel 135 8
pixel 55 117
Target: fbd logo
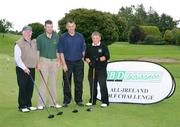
pixel 115 75
pixel 54 42
pixel 135 76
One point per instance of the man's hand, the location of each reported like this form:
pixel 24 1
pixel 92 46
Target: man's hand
pixel 87 60
pixel 27 71
pixel 103 58
pixel 59 63
pixel 65 68
pixel 38 66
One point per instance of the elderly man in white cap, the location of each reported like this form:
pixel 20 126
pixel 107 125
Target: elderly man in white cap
pixel 25 60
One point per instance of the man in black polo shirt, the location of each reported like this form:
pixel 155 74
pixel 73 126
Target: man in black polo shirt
pixel 71 49
pixel 97 55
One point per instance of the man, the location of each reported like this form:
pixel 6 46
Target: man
pixel 47 63
pixel 25 60
pixel 71 48
pixel 97 55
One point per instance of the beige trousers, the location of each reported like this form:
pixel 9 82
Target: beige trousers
pixel 49 69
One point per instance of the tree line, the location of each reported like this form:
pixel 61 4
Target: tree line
pixel 133 24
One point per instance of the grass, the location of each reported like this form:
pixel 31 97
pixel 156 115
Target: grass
pixel 7 43
pixel 163 114
pixel 127 51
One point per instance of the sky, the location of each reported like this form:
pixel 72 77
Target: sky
pixel 23 12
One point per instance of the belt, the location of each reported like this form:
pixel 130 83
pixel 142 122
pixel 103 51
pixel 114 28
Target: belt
pixel 48 59
pixel 73 61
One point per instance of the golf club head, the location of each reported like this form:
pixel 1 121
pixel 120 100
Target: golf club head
pixel 59 113
pixel 75 111
pixel 50 116
pixel 89 109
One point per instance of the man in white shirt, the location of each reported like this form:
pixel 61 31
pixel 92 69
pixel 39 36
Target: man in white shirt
pixel 25 60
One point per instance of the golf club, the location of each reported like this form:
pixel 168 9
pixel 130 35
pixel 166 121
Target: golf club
pixel 7 61
pixel 92 93
pixel 49 114
pixel 74 110
pixel 58 112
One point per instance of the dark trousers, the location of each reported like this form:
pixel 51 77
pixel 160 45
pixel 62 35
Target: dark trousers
pixel 25 87
pixel 100 77
pixel 77 69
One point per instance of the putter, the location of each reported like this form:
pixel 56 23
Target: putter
pixel 58 112
pixel 50 116
pixel 92 93
pixel 74 110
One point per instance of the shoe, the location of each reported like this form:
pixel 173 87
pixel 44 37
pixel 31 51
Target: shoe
pixel 56 106
pixel 80 104
pixel 40 107
pixel 24 110
pixel 88 104
pixel 32 108
pixel 65 105
pixel 103 105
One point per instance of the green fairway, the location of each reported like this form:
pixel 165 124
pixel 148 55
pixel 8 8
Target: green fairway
pixel 163 114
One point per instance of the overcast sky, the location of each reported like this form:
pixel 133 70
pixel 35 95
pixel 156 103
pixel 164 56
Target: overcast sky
pixel 22 12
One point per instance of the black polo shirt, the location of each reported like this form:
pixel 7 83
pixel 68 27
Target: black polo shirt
pixel 95 52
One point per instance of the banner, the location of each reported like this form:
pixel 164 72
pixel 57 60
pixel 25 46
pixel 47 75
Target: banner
pixel 140 82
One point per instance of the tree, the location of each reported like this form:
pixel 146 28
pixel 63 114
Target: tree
pixel 127 13
pixel 88 21
pixel 153 18
pixel 140 16
pixel 137 15
pixel 121 24
pixel 166 23
pixel 5 26
pixel 37 29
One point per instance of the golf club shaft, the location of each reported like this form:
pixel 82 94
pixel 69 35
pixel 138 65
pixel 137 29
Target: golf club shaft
pixel 92 92
pixel 66 75
pixel 39 94
pixel 45 83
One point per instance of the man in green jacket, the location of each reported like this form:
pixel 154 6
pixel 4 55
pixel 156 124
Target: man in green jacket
pixel 48 62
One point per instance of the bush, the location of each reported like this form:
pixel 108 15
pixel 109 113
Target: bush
pixel 144 35
pixel 177 35
pixel 37 29
pixel 88 21
pixel 150 39
pixel 178 39
pixel 151 30
pixel 168 37
pixel 135 35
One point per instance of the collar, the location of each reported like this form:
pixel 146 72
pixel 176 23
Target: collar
pixel 98 44
pixel 47 36
pixel 26 40
pixel 71 35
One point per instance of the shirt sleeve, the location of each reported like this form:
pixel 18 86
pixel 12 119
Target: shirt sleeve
pixel 86 54
pixel 38 43
pixel 106 52
pixel 83 46
pixel 35 43
pixel 60 46
pixel 17 57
